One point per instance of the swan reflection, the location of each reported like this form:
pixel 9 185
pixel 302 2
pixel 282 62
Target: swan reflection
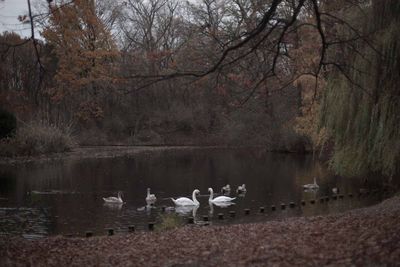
pixel 147 208
pixel 311 190
pixel 186 210
pixel 223 204
pixel 220 205
pixel 113 206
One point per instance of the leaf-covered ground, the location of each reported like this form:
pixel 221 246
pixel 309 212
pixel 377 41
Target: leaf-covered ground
pixel 364 237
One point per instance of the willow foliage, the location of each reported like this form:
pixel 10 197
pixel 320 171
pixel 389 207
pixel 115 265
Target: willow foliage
pixel 362 113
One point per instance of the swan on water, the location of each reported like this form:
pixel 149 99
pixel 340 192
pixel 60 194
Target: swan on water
pixel 151 198
pixel 241 189
pixel 114 199
pixel 218 199
pixel 226 189
pixel 311 186
pixel 184 201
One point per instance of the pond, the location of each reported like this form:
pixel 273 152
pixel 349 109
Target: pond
pixel 65 197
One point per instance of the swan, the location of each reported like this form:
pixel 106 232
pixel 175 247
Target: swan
pixel 226 189
pixel 184 201
pixel 218 199
pixel 223 204
pixel 311 186
pixel 151 198
pixel 241 189
pixel 113 199
pixel 335 190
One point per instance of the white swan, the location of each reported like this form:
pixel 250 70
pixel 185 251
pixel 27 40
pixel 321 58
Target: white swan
pixel 241 189
pixel 184 201
pixel 311 186
pixel 218 199
pixel 151 198
pixel 113 199
pixel 226 189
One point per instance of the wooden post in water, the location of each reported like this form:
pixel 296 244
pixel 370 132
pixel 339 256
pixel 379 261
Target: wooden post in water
pixel 151 226
pixel 89 234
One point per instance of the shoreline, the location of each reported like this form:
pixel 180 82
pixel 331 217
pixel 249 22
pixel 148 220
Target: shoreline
pixel 363 237
pixel 114 151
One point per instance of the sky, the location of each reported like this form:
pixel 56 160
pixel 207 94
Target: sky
pixel 9 12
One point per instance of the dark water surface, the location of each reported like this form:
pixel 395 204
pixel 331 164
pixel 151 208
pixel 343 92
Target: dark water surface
pixel 66 197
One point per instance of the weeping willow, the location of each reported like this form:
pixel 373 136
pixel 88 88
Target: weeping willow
pixel 362 111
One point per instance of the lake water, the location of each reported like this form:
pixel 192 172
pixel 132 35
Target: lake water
pixel 65 197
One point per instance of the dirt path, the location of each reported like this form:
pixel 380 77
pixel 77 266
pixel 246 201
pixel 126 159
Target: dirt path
pixel 364 237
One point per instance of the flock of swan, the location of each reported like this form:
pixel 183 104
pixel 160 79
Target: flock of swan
pixel 219 200
pixel 314 186
pixel 184 201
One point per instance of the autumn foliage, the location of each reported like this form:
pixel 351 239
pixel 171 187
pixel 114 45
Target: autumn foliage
pixel 200 72
pixel 85 53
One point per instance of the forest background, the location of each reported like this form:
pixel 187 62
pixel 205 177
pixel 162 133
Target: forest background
pixel 289 75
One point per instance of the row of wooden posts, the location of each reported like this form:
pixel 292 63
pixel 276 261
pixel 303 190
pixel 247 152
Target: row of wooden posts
pixel 232 213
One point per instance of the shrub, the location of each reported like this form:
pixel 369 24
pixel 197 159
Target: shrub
pixel 38 138
pixel 8 124
pixel 8 147
pixel 168 222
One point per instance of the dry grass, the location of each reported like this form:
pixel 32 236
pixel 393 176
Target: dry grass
pixel 169 221
pixel 37 138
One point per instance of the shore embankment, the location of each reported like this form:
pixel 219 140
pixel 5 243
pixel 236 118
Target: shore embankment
pixel 363 237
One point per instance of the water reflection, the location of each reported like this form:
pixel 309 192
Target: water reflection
pixel 113 206
pixel 186 210
pixel 72 191
pixel 242 195
pixel 223 204
pixel 219 205
pixel 148 208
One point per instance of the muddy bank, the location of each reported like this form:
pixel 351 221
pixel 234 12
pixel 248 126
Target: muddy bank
pixel 363 237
